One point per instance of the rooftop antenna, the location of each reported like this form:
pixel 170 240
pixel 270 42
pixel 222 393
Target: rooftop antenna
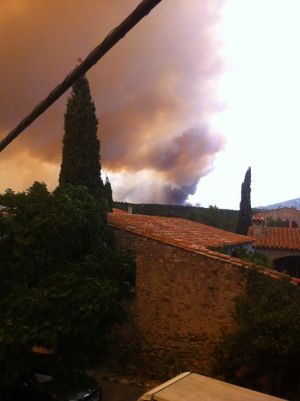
pixel 93 57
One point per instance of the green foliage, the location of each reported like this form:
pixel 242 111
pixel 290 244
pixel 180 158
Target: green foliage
pixel 245 214
pixel 264 352
pixel 220 218
pixel 276 223
pixel 255 257
pixel 81 147
pixel 63 283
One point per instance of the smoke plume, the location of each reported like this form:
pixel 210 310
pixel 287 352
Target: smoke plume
pixel 154 92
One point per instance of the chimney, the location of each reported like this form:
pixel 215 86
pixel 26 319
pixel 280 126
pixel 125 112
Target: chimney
pixel 258 224
pixel 129 209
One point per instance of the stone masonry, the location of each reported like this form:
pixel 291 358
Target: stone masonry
pixel 184 302
pixel 185 291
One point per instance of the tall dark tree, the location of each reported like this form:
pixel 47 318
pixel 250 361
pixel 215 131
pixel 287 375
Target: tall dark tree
pixel 108 194
pixel 81 147
pixel 245 213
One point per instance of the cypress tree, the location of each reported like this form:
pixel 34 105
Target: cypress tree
pixel 81 147
pixel 245 213
pixel 108 194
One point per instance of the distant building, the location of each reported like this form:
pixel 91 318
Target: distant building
pixel 289 215
pixel 280 244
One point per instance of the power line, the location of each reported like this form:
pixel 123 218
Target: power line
pixel 94 56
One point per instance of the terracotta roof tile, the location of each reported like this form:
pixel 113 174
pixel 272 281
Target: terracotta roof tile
pixel 178 231
pixel 279 237
pixel 194 237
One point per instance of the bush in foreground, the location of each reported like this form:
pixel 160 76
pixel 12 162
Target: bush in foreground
pixel 264 352
pixel 63 283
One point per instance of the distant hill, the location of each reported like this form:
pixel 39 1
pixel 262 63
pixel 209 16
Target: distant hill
pixel 212 216
pixel 289 203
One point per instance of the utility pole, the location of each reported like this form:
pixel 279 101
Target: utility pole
pixel 94 56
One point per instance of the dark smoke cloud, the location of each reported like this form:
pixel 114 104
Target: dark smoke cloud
pixel 175 196
pixel 154 92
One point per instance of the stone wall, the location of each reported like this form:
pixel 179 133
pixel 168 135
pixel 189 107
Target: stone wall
pixel 184 303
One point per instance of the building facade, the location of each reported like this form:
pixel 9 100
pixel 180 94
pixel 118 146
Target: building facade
pixel 185 292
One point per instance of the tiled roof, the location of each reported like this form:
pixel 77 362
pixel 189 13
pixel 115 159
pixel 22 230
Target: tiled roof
pixel 279 237
pixel 119 211
pixel 194 237
pixel 178 231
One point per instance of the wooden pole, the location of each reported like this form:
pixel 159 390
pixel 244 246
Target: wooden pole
pixel 94 56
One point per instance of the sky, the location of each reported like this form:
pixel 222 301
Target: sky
pixel 261 87
pixel 195 94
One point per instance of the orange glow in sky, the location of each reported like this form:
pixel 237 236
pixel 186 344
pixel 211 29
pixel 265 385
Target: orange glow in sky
pixel 199 91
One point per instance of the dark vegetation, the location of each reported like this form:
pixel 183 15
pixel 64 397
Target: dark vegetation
pixel 212 216
pixel 63 283
pixel 264 352
pixel 245 213
pixel 276 222
pixel 81 148
pixel 255 257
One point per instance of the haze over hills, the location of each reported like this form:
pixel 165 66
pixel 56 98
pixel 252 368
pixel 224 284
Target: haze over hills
pixel 289 203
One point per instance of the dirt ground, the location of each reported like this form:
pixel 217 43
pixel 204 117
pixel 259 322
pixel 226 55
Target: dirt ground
pixel 123 386
pixel 120 392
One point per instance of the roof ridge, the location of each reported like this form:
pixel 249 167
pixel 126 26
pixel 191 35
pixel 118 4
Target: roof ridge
pixel 217 255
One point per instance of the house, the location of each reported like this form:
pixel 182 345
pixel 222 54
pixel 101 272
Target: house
pixel 280 244
pixel 288 215
pixel 185 289
pixel 178 231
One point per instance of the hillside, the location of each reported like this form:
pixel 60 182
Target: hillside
pixel 289 203
pixel 212 216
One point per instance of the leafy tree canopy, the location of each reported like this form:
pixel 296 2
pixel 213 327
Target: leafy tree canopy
pixel 63 283
pixel 243 253
pixel 276 222
pixel 264 353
